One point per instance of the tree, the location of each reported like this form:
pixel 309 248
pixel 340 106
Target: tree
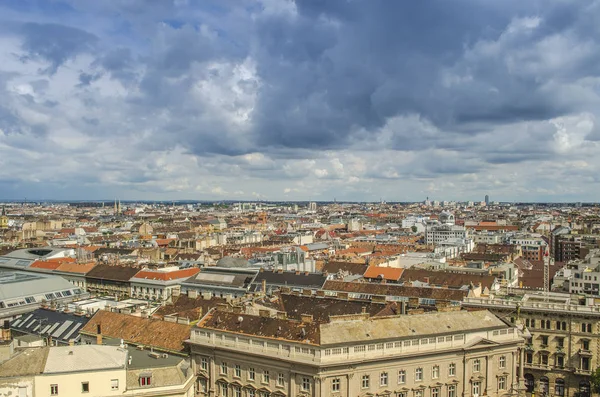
pixel 595 380
pixel 413 228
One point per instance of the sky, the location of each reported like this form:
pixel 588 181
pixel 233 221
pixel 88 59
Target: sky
pixel 357 100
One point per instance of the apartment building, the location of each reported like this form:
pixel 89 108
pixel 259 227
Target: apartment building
pixel 436 234
pixel 441 354
pixel 563 346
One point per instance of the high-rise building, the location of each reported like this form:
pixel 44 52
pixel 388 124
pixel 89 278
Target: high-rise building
pixel 487 200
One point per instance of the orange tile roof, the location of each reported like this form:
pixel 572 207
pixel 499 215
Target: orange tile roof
pixel 165 276
pixel 76 267
pixel 51 264
pixel 388 273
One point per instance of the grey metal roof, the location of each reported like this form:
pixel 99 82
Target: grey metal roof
pixel 15 285
pixel 60 326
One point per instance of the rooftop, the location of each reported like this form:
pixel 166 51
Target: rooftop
pixel 161 335
pixel 84 358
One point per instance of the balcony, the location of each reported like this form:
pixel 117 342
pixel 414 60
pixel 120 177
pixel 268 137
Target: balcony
pixel 585 352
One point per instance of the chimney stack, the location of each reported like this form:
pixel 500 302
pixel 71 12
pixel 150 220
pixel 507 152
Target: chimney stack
pixel 306 318
pixel 264 287
pixel 98 334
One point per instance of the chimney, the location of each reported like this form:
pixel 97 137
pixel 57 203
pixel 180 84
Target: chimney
pixel 264 287
pixel 413 302
pixel 306 318
pixel 71 342
pixel 264 313
pixel 261 270
pixel 282 315
pixel 363 310
pixel 98 334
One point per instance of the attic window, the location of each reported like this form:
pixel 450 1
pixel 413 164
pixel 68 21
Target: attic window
pixel 145 379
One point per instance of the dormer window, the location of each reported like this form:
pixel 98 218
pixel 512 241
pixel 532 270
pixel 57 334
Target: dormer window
pixel 145 379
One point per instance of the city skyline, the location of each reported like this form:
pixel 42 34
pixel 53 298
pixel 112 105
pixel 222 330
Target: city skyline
pixel 281 101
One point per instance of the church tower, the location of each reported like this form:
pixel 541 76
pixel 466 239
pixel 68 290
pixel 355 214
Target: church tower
pixel 3 219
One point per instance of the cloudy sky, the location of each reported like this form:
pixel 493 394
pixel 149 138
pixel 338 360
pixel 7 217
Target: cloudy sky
pixel 300 100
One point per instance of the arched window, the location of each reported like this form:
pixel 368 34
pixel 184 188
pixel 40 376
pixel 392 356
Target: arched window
pixel 559 387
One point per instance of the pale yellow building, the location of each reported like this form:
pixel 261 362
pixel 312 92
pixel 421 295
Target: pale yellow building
pixel 441 354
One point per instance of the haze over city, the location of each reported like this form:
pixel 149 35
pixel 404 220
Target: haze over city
pixel 304 100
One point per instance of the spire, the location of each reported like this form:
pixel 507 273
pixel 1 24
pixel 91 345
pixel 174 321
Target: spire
pixel 3 210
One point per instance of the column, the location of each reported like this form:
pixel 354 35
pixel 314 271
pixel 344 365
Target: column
pixel 488 374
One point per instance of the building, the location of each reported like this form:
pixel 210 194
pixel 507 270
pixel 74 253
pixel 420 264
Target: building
pixel 269 281
pixel 159 284
pixel 562 349
pixel 110 280
pixel 3 219
pixel 96 371
pixel 532 248
pixel 438 233
pixel 22 292
pixel 467 354
pixel 312 206
pixel 487 200
pixel 219 282
pixel 54 328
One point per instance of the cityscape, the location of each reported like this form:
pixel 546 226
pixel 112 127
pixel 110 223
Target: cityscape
pixel 299 198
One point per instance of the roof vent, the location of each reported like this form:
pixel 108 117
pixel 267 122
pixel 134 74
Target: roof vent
pixel 240 319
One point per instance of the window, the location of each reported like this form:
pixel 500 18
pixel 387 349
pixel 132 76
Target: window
pixel 223 390
pixel 419 393
pixel 435 372
pixel 251 393
pixel 306 384
pixel 251 374
pixel 54 390
pixel 544 340
pixel 280 379
pixel 532 323
pixel 265 377
pixel 145 380
pixel 476 388
pixel 223 368
pixel 476 365
pixel 544 359
pixel 366 381
pixel 585 363
pixel 564 326
pixel 585 344
pixel 502 383
pixel 237 391
pixel 452 369
pixel 418 374
pixel 114 384
pixel 335 384
pixel 451 390
pixel 85 387
pixel 560 342
pixel 529 358
pixel 383 379
pixel 204 363
pixel 435 392
pixel 237 372
pixel 502 362
pixel 401 377
pixel 560 361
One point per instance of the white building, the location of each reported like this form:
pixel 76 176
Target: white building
pixel 95 370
